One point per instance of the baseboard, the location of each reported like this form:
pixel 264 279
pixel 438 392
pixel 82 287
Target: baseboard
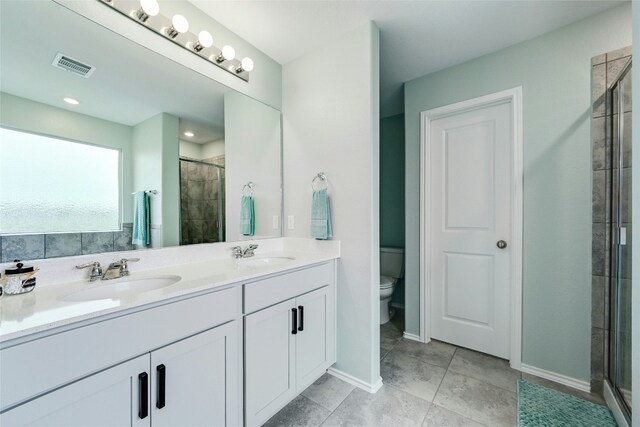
pixel 412 337
pixel 370 388
pixel 613 405
pixel 555 377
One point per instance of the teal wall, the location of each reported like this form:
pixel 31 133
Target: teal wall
pixel 554 72
pixel 392 188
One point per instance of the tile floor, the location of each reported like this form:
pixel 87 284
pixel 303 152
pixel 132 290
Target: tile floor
pixel 435 384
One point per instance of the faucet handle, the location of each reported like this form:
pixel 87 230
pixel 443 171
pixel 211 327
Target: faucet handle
pixel 96 270
pixel 124 266
pixel 237 251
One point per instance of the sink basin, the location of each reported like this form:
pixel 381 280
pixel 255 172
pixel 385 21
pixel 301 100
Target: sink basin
pixel 120 288
pixel 259 261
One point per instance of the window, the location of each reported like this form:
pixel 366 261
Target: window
pixel 51 185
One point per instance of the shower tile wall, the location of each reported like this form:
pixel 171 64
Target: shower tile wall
pixel 605 68
pixel 199 201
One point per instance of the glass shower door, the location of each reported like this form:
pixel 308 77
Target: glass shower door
pixel 620 278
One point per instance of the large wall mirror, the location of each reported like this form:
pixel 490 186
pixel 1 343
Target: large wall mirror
pixel 71 174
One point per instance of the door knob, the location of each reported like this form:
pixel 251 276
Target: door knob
pixel 501 244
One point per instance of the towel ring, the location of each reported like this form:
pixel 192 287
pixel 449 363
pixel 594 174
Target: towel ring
pixel 250 186
pixel 321 177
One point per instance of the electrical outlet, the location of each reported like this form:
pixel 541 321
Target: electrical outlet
pixel 276 221
pixel 290 222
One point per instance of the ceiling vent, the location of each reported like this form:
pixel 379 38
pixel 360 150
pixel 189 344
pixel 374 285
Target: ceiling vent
pixel 73 65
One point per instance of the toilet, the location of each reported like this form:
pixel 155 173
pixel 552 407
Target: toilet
pixel 391 269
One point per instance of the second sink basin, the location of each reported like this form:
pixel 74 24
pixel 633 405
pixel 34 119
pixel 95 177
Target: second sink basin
pixel 258 261
pixel 120 288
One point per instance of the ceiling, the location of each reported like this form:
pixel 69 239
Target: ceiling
pixel 121 89
pixel 416 37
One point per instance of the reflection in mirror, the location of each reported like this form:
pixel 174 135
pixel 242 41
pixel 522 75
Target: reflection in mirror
pixel 193 140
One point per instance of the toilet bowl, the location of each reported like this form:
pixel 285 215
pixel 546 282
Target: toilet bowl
pixel 391 269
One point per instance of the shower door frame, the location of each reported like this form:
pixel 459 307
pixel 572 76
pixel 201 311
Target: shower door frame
pixel 613 395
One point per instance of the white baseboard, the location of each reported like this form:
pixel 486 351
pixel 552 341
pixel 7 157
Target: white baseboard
pixel 412 337
pixel 613 405
pixel 370 388
pixel 558 378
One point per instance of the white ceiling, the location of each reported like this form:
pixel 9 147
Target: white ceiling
pixel 121 90
pixel 417 37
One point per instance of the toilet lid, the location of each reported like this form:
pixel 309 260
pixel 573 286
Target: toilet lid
pixel 386 281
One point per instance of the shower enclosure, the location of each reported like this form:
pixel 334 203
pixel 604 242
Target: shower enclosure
pixel 202 201
pixel 618 371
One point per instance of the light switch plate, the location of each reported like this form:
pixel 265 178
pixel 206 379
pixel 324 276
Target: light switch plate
pixel 275 224
pixel 290 222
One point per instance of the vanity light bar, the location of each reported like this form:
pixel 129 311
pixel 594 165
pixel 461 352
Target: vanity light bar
pixel 176 29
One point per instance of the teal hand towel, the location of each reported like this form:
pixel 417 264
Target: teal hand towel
pixel 141 219
pixel 321 215
pixel 247 216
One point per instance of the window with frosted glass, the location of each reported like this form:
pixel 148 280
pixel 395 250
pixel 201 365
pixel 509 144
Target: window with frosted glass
pixel 51 185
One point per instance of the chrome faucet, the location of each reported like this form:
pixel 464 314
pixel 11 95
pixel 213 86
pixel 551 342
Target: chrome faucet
pixel 118 269
pixel 96 270
pixel 238 252
pixel 248 252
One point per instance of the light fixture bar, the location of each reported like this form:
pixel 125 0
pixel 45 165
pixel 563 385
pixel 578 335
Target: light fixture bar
pixel 176 29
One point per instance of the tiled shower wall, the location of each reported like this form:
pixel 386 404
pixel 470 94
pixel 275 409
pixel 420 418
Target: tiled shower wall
pixel 39 246
pixel 604 71
pixel 199 201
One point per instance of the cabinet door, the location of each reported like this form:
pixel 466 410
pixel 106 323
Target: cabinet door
pixel 110 398
pixel 191 380
pixel 269 361
pixel 313 339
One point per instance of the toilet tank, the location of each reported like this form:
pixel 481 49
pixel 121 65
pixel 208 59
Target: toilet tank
pixel 392 262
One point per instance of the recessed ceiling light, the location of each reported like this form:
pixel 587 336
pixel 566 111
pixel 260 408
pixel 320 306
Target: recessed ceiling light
pixel 189 134
pixel 71 101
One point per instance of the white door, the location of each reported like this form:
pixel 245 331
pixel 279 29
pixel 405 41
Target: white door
pixel 269 361
pixel 115 397
pixel 312 349
pixel 469 209
pixel 190 379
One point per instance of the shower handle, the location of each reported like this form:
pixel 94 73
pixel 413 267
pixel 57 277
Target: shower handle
pixel 501 244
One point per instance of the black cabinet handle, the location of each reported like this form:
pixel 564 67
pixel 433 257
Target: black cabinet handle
pixel 161 370
pixel 143 394
pixel 294 320
pixel 301 327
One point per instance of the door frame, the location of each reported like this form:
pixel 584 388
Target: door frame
pixel 510 96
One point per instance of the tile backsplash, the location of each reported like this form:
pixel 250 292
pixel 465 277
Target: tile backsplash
pixel 39 246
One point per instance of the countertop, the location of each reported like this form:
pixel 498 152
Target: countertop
pixel 44 310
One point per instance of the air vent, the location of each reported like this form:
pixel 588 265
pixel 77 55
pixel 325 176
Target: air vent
pixel 73 65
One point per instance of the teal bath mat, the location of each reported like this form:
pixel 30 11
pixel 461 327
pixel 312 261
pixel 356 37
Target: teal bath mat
pixel 539 406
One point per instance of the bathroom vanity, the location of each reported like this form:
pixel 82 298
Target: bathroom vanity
pixel 229 343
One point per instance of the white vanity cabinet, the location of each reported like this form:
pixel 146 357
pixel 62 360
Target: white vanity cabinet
pixel 164 366
pixel 109 398
pixel 290 343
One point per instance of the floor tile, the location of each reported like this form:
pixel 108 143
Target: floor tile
pixel 440 417
pixel 564 389
pixel 299 412
pixel 436 352
pixel 388 407
pixel 485 368
pixel 477 400
pixel 328 391
pixel 411 375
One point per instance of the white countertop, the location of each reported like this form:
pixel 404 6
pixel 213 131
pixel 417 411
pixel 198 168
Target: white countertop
pixel 43 309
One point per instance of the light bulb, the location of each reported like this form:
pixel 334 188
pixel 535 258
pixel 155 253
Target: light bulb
pixel 228 52
pixel 247 64
pixel 150 7
pixel 205 39
pixel 189 134
pixel 180 23
pixel 71 101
